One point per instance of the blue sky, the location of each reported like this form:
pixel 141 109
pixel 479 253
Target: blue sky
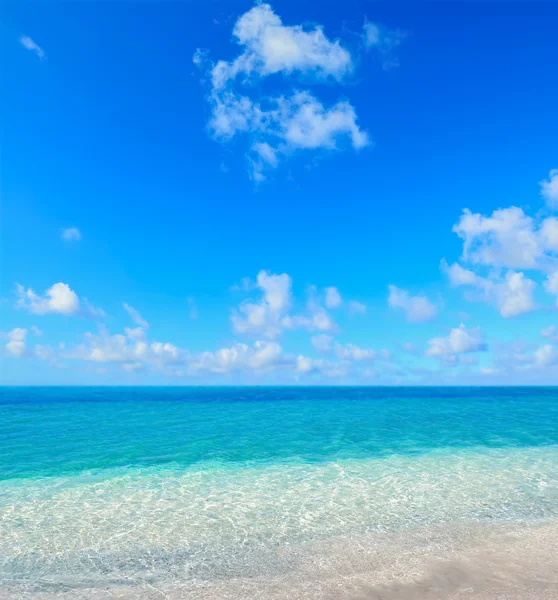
pixel 277 193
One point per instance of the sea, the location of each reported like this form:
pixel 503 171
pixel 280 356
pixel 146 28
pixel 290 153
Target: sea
pixel 278 492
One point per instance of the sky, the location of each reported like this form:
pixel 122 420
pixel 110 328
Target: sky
pixel 240 193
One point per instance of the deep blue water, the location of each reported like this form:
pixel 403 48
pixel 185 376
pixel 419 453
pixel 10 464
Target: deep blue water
pixel 53 431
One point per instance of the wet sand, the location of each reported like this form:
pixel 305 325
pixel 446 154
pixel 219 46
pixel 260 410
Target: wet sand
pixel 470 561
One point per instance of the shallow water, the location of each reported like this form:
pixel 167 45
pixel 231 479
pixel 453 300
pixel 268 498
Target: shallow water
pixel 197 490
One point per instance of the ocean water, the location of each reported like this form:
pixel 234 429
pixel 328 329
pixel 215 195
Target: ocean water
pixel 200 489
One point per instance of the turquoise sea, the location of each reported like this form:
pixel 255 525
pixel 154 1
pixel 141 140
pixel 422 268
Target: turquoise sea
pixel 193 490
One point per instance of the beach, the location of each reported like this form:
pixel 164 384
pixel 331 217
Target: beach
pixel 214 494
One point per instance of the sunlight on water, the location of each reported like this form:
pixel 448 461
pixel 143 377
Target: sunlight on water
pixel 188 492
pixel 215 520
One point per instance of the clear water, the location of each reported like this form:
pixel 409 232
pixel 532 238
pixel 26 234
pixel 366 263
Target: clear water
pixel 104 485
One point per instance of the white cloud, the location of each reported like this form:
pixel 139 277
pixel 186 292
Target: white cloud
pixel 260 356
pixel 59 298
pixel 332 297
pixel 286 125
pixel 509 239
pixel 417 309
pixel 279 124
pixel 549 189
pixel 318 320
pixel 304 364
pixel 16 341
pixel 512 294
pixel 551 284
pixel 36 330
pixel 128 348
pixel 265 317
pixel 356 308
pixel 270 315
pixel 32 46
pixel 460 340
pixel 135 316
pixel 385 41
pixel 322 342
pixel 545 356
pixel 271 47
pixel 71 234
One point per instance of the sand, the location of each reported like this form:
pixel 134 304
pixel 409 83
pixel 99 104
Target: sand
pixel 494 561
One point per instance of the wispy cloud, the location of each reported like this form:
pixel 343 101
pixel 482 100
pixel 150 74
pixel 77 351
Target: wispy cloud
pixel 135 316
pixel 32 46
pixel 71 234
pixel 385 41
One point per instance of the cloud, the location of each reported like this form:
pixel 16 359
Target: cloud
pixel 551 284
pixel 270 47
pixel 332 297
pixel 266 316
pixel 270 315
pixel 135 316
pixel 32 46
pixel 549 189
pixel 511 294
pixel 508 239
pixel 280 124
pixel 58 299
pixel 289 124
pixel 356 308
pixel 460 340
pixel 262 355
pixel 36 330
pixel 71 234
pixel 304 364
pixel 16 341
pixel 385 41
pixel 417 309
pixel 545 356
pixel 322 342
pixel 132 347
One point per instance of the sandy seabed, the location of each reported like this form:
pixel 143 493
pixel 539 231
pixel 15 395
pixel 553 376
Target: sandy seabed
pixel 495 561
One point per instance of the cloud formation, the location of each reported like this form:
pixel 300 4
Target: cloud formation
pixel 549 189
pixel 277 125
pixel 135 316
pixel 385 41
pixel 511 294
pixel 58 299
pixel 417 309
pixel 29 44
pixel 460 340
pixel 15 345
pixel 71 234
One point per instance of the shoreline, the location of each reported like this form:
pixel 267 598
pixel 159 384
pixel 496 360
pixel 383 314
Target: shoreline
pixel 514 560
